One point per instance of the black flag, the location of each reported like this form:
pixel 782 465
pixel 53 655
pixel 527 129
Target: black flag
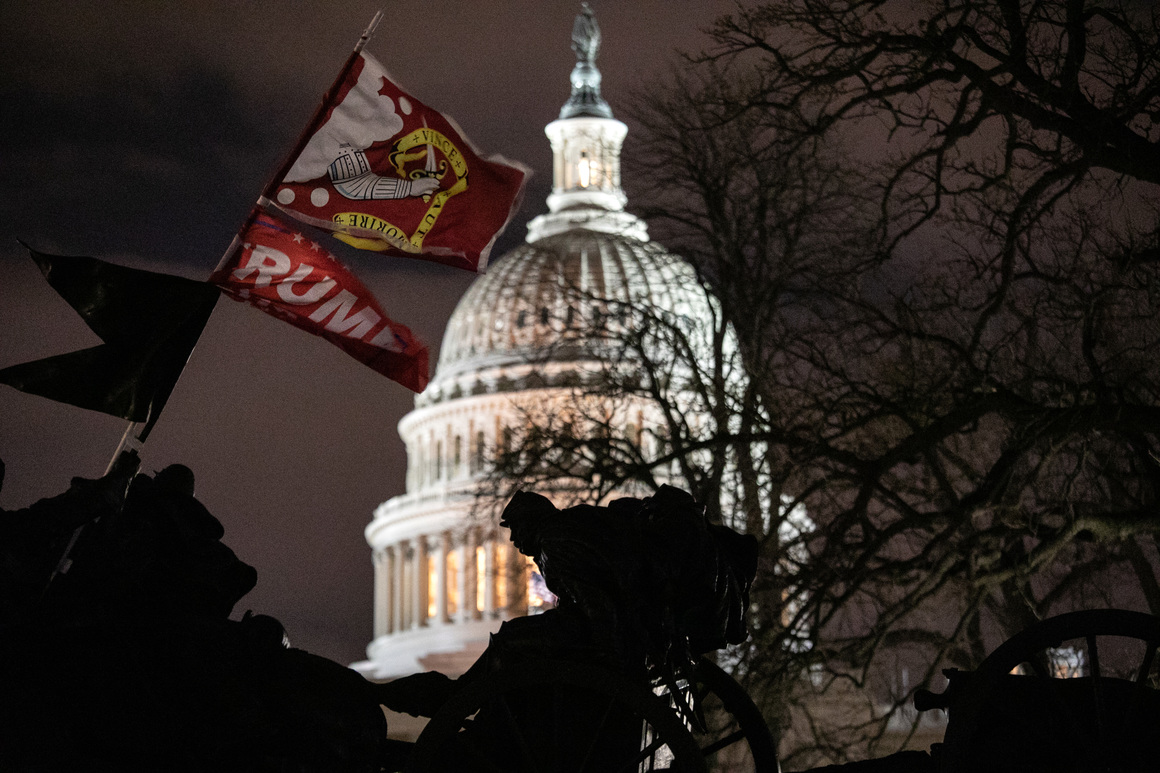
pixel 149 323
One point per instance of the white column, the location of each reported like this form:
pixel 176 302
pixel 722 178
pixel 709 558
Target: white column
pixel 466 578
pixel 382 608
pixel 449 454
pixel 419 587
pixel 441 578
pixel 469 448
pixel 489 577
pixel 398 621
pixel 391 591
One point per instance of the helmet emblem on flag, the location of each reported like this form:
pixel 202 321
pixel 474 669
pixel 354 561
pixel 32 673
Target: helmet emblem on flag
pixel 425 164
pixel 379 168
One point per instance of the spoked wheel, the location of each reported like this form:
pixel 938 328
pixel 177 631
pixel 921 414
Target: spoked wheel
pixel 555 717
pixel 1077 692
pixel 732 733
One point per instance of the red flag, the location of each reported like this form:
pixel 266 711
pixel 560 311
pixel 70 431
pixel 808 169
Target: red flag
pixel 284 273
pixel 385 172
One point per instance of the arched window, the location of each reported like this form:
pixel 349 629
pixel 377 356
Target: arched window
pixel 480 448
pixel 503 440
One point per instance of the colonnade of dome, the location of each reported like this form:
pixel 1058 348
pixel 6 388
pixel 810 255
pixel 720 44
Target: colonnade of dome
pixel 455 576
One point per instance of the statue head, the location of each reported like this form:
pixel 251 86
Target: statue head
pixel 176 478
pixel 525 517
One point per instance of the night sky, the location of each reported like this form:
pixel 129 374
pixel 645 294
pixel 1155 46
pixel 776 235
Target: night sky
pixel 141 135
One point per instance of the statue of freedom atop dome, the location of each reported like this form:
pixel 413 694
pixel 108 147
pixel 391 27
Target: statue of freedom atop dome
pixel 586 35
pixel 585 99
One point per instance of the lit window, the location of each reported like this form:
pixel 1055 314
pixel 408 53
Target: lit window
pixel 480 577
pixel 432 577
pixel 584 169
pixel 501 570
pixel 452 582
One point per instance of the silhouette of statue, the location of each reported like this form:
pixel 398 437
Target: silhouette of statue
pixel 644 586
pixel 654 578
pixel 34 539
pixel 640 583
pixel 130 661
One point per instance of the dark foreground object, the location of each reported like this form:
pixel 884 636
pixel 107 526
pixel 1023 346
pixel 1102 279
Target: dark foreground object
pixel 180 696
pixel 128 661
pixel 1019 712
pixel 1023 711
pixel 612 679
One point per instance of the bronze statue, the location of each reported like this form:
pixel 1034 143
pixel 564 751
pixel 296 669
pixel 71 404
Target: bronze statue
pixel 585 99
pixel 586 35
pixel 130 662
pixel 642 583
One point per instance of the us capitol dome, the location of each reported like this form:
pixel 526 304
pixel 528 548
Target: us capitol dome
pixel 521 335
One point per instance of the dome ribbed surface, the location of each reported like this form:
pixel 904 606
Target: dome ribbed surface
pixel 542 301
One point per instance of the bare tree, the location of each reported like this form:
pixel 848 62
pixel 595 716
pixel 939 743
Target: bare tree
pixel 932 231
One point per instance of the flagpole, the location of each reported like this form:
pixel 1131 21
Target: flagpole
pixel 311 127
pixel 125 461
pixel 128 443
pixel 319 112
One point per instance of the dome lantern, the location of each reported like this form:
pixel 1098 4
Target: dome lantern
pixel 586 142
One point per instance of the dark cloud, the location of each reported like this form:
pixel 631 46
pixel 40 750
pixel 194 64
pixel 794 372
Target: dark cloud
pixel 135 165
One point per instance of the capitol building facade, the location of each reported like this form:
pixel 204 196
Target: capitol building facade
pixel 546 321
pixel 520 341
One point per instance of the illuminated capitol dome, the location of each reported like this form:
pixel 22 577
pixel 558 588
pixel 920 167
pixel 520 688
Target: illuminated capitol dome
pixel 522 335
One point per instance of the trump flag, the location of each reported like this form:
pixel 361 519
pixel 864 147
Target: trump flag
pixel 280 270
pixel 384 172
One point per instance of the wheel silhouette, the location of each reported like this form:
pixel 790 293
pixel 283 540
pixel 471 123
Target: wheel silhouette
pixel 1050 698
pixel 729 728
